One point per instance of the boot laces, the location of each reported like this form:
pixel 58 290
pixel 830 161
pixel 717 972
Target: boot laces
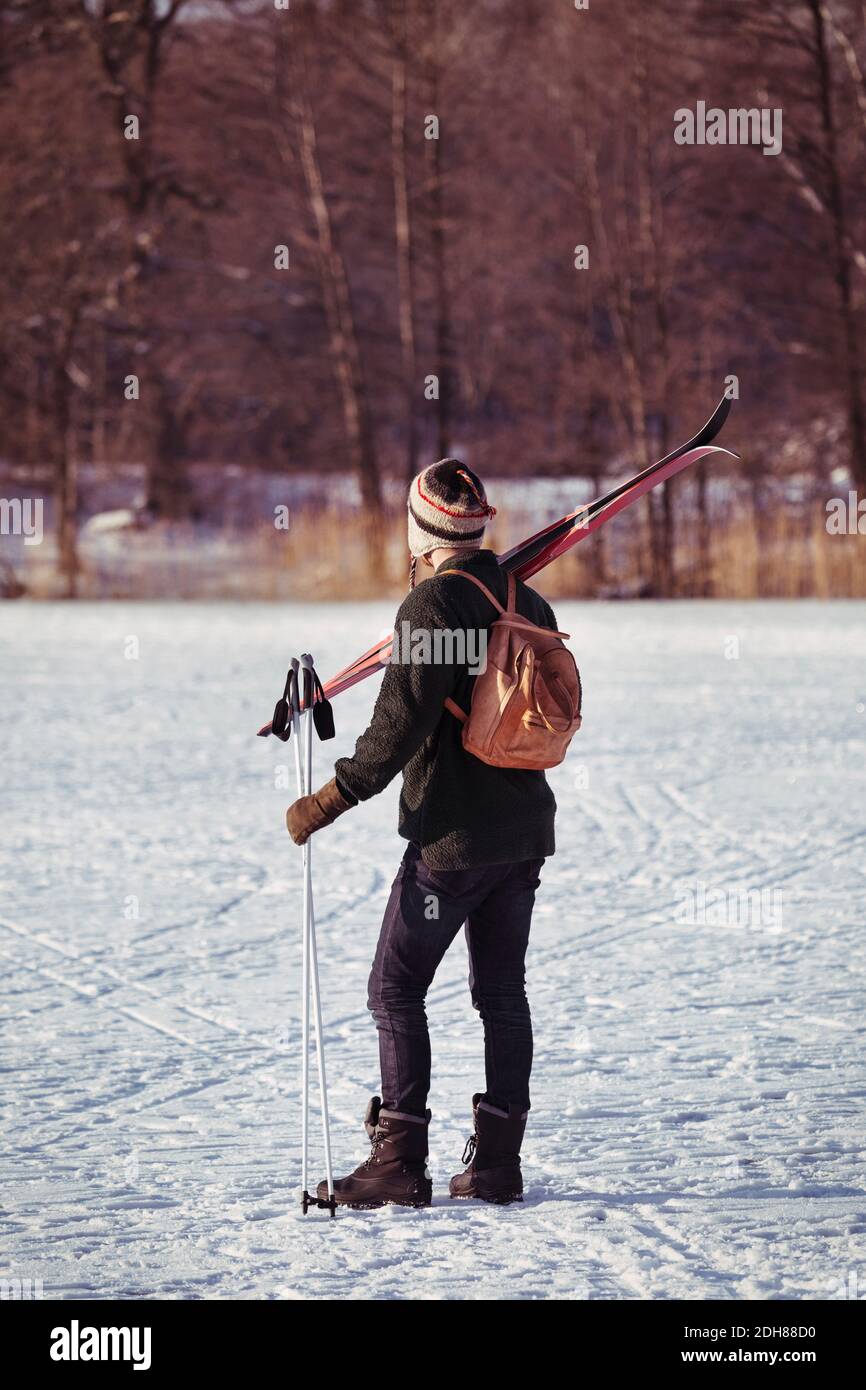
pixel 377 1141
pixel 469 1151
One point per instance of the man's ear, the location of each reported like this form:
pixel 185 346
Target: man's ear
pixel 427 561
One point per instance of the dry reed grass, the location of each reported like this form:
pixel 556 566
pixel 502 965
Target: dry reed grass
pixel 323 556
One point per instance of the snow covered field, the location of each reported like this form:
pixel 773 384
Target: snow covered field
pixel 699 1095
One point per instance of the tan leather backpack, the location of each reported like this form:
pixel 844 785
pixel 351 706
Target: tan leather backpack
pixel 525 706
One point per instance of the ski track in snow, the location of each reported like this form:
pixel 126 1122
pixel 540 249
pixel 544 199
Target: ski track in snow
pixel 697 1127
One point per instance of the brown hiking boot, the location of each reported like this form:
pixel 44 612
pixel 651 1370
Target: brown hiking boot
pixel 493 1155
pixel 396 1171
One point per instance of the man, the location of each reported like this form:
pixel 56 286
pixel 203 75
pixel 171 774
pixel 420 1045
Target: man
pixel 478 837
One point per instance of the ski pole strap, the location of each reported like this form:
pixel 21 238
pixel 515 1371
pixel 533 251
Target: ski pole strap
pixel 281 725
pixel 315 699
pixel 294 699
pixel 323 714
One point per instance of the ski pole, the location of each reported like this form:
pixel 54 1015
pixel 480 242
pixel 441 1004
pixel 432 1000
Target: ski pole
pixel 305 953
pixel 288 719
pixel 313 959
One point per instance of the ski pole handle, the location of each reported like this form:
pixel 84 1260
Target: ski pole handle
pixel 309 687
pixel 323 715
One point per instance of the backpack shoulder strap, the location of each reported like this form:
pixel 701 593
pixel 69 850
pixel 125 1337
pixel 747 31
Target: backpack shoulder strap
pixel 484 589
pixel 449 704
pixel 511 598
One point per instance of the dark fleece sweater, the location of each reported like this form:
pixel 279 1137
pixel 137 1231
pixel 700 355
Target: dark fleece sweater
pixel 460 812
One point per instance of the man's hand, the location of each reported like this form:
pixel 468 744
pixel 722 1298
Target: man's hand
pixel 311 813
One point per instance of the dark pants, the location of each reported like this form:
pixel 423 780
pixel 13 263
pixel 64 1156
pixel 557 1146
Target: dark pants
pixel 425 911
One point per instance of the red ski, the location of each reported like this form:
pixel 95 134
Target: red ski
pixel 554 540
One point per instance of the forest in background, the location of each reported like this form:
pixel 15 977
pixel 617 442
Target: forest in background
pixel 301 282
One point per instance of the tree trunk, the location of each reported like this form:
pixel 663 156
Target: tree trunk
pixel 582 344
pixel 651 243
pixel 444 347
pixel 759 512
pixel 130 45
pixel 704 584
pixel 856 410
pixel 169 493
pixel 403 232
pixel 345 350
pixel 66 483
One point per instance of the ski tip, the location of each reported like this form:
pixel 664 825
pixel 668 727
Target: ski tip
pixel 704 451
pixel 716 420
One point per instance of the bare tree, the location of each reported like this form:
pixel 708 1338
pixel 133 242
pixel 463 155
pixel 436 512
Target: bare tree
pixel 291 96
pixel 401 27
pixel 130 43
pixel 836 200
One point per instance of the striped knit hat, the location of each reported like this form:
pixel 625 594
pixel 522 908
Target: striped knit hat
pixel 447 507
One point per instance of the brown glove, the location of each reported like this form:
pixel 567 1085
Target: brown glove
pixel 311 813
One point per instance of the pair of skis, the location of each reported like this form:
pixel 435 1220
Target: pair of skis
pixel 296 713
pixel 554 540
